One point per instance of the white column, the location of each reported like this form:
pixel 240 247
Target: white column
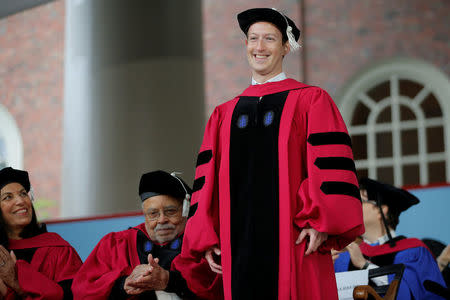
pixel 133 99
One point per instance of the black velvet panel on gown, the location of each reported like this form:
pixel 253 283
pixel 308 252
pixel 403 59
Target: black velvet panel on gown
pixel 254 191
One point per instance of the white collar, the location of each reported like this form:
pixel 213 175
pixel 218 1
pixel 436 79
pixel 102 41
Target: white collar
pixel 278 77
pixel 383 239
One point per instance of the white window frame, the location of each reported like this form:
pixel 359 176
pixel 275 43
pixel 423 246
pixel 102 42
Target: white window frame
pixel 10 133
pixel 433 80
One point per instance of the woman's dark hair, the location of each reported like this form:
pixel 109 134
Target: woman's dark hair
pixel 32 229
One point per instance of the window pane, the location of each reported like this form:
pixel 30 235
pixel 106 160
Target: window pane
pixel 411 174
pixel 409 88
pixel 360 114
pixel 380 91
pixel 436 171
pixel 362 173
pixel 386 174
pixel 431 107
pixel 384 116
pixel 435 139
pixel 410 142
pixel 359 145
pixel 406 114
pixel 384 144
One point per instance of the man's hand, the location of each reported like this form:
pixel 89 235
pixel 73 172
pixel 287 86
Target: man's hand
pixel 215 267
pixel 147 278
pixel 316 239
pixel 335 254
pixel 130 282
pixel 3 289
pixel 356 256
pixel 444 258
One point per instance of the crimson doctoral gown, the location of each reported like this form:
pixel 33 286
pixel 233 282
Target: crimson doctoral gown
pixel 53 265
pixel 274 160
pixel 116 255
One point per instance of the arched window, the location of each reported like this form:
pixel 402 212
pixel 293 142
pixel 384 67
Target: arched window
pixel 11 149
pixel 397 113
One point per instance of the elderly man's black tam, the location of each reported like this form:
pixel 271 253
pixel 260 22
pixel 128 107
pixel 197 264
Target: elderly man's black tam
pixel 281 21
pixel 162 183
pixel 9 175
pixel 398 200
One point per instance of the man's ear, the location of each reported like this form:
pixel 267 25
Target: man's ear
pixel 287 48
pixel 385 209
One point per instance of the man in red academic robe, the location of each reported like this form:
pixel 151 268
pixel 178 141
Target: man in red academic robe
pixel 134 263
pixel 275 185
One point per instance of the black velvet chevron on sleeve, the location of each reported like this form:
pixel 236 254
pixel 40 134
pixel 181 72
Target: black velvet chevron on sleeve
pixel 198 184
pixel 204 157
pixel 335 163
pixel 340 188
pixel 329 138
pixel 192 210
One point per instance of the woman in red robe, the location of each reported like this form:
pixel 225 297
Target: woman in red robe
pixel 34 263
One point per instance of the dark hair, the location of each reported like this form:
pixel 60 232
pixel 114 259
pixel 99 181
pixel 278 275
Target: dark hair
pixel 32 229
pixel 392 219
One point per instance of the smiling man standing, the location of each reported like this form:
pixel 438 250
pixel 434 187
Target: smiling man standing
pixel 275 184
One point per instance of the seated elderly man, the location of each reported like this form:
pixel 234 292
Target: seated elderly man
pixel 135 262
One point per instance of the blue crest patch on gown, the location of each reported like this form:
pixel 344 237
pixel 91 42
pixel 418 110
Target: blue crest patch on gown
pixel 148 246
pixel 268 118
pixel 242 122
pixel 175 244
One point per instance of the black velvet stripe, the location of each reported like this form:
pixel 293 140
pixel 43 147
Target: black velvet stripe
pixel 335 163
pixel 25 254
pixel 329 138
pixel 198 184
pixel 192 210
pixel 340 188
pixel 66 287
pixel 204 157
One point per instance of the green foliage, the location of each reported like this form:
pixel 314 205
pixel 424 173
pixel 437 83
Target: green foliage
pixel 43 207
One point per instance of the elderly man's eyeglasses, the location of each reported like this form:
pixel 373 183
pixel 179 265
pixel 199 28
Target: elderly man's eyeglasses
pixel 369 201
pixel 169 212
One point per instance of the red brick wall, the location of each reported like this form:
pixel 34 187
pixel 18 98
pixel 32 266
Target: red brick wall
pixel 339 38
pixel 31 89
pixel 344 36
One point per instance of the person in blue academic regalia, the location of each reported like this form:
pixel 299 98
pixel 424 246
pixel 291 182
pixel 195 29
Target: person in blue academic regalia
pixel 382 205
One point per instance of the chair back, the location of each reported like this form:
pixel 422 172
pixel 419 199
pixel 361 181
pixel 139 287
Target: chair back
pixel 389 291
